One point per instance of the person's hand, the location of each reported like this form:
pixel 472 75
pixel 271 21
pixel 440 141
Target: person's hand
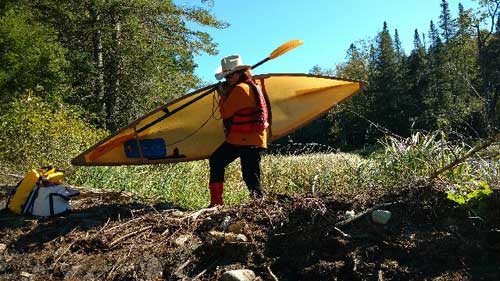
pixel 223 89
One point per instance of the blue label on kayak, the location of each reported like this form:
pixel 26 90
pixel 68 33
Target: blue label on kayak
pixel 153 148
pixel 150 148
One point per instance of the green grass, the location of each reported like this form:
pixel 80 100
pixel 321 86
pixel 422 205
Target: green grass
pixel 399 163
pixel 186 184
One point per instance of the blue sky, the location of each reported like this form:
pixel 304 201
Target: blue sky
pixel 327 28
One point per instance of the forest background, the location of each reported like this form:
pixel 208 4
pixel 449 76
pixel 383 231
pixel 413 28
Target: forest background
pixel 72 72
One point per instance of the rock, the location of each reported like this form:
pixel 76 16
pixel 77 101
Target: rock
pixel 216 236
pixel 236 228
pixel 177 213
pixel 26 274
pixel 225 223
pixel 181 240
pixel 381 216
pixel 241 238
pixel 3 247
pixel 229 237
pixel 350 214
pixel 238 275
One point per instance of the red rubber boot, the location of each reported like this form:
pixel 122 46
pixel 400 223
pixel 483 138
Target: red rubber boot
pixel 216 190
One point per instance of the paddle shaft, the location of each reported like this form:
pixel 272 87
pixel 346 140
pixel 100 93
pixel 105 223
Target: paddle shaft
pixel 170 113
pixel 276 53
pixel 260 62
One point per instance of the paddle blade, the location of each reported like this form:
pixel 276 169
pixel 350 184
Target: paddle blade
pixel 290 45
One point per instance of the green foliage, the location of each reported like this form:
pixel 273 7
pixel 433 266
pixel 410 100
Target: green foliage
pixel 441 85
pixel 463 194
pixel 127 57
pixel 472 196
pixel 34 133
pixel 31 58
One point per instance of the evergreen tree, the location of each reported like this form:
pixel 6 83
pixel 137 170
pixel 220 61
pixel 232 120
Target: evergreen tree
pixel 417 42
pixel 464 21
pixel 436 42
pixel 397 46
pixel 446 22
pixel 438 95
pixel 463 68
pixel 384 82
pixel 486 42
pixel 355 67
pixel 348 130
pixel 417 80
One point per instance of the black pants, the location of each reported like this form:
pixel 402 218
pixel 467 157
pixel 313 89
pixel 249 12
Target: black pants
pixel 250 164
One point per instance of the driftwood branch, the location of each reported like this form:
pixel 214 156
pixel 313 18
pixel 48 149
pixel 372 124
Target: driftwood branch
pixel 122 224
pixel 342 233
pixel 178 270
pixel 460 160
pixel 206 269
pixel 196 214
pixel 272 274
pixel 13 175
pixel 362 214
pixel 128 235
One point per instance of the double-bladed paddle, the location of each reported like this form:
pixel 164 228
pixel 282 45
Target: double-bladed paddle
pixel 101 150
pixel 288 46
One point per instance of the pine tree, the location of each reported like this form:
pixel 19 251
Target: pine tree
pixel 446 22
pixel 397 45
pixel 463 69
pixel 434 37
pixel 487 53
pixel 355 67
pixel 438 95
pixel 417 42
pixel 464 21
pixel 384 86
pixel 418 79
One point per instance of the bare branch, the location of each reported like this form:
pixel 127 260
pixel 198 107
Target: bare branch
pixel 473 151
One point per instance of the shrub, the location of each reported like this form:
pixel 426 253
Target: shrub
pixel 34 133
pixel 408 160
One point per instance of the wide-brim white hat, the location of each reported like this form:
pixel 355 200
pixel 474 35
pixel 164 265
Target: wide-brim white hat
pixel 228 65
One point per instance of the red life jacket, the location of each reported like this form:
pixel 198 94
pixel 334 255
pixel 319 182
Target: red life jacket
pixel 252 119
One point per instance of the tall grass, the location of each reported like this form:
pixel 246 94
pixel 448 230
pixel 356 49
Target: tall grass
pixel 399 162
pixel 417 157
pixel 186 184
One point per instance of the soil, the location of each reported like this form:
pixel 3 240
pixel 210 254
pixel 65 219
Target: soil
pixel 109 236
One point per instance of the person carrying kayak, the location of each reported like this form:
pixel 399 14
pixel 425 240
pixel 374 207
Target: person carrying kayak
pixel 245 113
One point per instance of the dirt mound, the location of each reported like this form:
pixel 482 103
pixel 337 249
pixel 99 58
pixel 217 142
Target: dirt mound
pixel 108 236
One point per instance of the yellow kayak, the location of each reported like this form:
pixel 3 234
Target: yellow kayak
pixel 190 128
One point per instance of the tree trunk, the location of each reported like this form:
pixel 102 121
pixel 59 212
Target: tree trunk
pixel 111 76
pixel 484 80
pixel 97 55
